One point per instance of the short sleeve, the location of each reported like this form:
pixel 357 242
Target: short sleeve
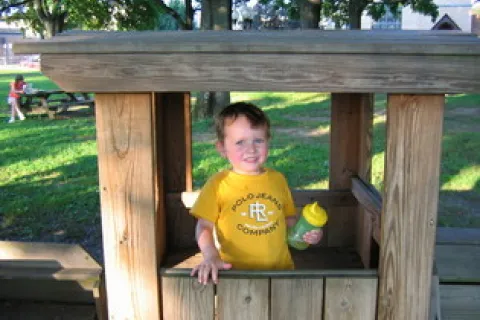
pixel 206 207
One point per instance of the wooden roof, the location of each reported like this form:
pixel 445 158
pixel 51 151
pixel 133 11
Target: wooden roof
pixel 328 61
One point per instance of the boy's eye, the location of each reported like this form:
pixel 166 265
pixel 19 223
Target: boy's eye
pixel 240 142
pixel 258 141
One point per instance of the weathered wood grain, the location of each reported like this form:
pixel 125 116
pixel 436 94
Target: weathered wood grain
pixel 240 299
pixel 186 299
pixel 314 258
pixel 409 213
pixel 126 170
pixel 371 201
pixel 350 299
pixel 460 302
pixel 141 72
pixel 47 271
pixel 447 235
pixel 174 145
pixel 292 41
pixel 458 263
pixel 297 299
pixel 350 153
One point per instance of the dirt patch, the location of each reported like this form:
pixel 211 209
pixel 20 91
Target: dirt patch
pixel 304 133
pixel 464 111
pixel 308 119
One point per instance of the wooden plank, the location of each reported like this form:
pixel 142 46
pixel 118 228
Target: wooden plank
pixel 41 254
pixel 233 72
pixel 240 299
pixel 125 160
pixel 350 153
pixel 458 263
pixel 32 310
pixel 460 302
pixel 458 236
pixel 100 297
pixel 325 198
pixel 409 214
pixel 315 258
pixel 297 299
pixel 175 151
pixel 73 291
pixel 186 299
pixel 304 41
pixel 350 299
pixel 371 201
pixel 367 195
pixel 435 312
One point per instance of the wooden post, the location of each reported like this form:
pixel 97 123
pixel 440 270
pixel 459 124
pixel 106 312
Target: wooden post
pixel 176 155
pixel 409 214
pixel 126 168
pixel 350 153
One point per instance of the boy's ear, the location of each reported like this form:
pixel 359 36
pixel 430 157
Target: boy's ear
pixel 220 148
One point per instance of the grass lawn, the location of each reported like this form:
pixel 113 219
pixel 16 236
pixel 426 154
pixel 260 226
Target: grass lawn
pixel 48 168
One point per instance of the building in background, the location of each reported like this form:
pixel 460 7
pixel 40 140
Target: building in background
pixel 8 34
pixel 452 15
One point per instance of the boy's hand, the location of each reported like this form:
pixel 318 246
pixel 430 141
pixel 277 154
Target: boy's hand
pixel 313 237
pixel 210 266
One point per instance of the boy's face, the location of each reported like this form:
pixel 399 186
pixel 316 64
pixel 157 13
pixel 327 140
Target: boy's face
pixel 246 148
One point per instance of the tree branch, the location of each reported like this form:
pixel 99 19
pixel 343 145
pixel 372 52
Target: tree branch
pixel 175 15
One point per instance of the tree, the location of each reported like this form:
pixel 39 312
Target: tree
pixel 50 17
pixel 216 15
pixel 310 13
pixel 350 12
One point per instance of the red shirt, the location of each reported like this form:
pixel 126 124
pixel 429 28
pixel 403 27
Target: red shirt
pixel 18 87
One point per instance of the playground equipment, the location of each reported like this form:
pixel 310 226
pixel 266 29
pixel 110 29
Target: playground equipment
pixel 375 263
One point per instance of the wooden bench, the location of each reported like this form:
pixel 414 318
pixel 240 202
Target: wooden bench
pixel 55 101
pixel 457 256
pixel 50 272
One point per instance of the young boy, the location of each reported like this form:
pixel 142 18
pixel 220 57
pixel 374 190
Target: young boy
pixel 249 206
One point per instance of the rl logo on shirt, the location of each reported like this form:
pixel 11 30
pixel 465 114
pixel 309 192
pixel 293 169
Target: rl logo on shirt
pixel 259 212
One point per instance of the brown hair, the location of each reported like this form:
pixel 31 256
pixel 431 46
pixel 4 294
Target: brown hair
pixel 254 114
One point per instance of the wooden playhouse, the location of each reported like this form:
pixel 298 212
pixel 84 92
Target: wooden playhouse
pixel 376 260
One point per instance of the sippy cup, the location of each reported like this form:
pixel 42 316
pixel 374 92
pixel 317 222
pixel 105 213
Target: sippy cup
pixel 313 217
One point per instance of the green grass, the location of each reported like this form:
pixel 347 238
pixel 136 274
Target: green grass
pixel 48 168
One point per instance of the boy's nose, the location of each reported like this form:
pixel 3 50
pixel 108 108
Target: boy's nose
pixel 250 147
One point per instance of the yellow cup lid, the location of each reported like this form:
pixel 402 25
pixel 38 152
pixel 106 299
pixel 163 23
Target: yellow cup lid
pixel 314 214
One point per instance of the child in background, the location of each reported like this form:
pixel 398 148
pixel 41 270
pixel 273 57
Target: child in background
pixel 249 206
pixel 16 88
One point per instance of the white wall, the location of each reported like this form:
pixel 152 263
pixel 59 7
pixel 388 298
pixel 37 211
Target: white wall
pixel 458 10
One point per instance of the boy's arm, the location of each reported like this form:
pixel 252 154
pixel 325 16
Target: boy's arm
pixel 204 236
pixel 211 258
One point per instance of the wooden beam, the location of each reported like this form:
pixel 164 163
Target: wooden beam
pixel 127 191
pixel 175 153
pixel 371 200
pixel 350 298
pixel 350 153
pixel 409 213
pixel 226 71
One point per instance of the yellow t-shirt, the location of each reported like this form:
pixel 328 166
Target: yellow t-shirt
pixel 249 214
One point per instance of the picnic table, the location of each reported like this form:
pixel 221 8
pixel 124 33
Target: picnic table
pixel 54 101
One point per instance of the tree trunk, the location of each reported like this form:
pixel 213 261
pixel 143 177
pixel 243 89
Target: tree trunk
pixel 355 9
pixel 310 13
pixel 216 15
